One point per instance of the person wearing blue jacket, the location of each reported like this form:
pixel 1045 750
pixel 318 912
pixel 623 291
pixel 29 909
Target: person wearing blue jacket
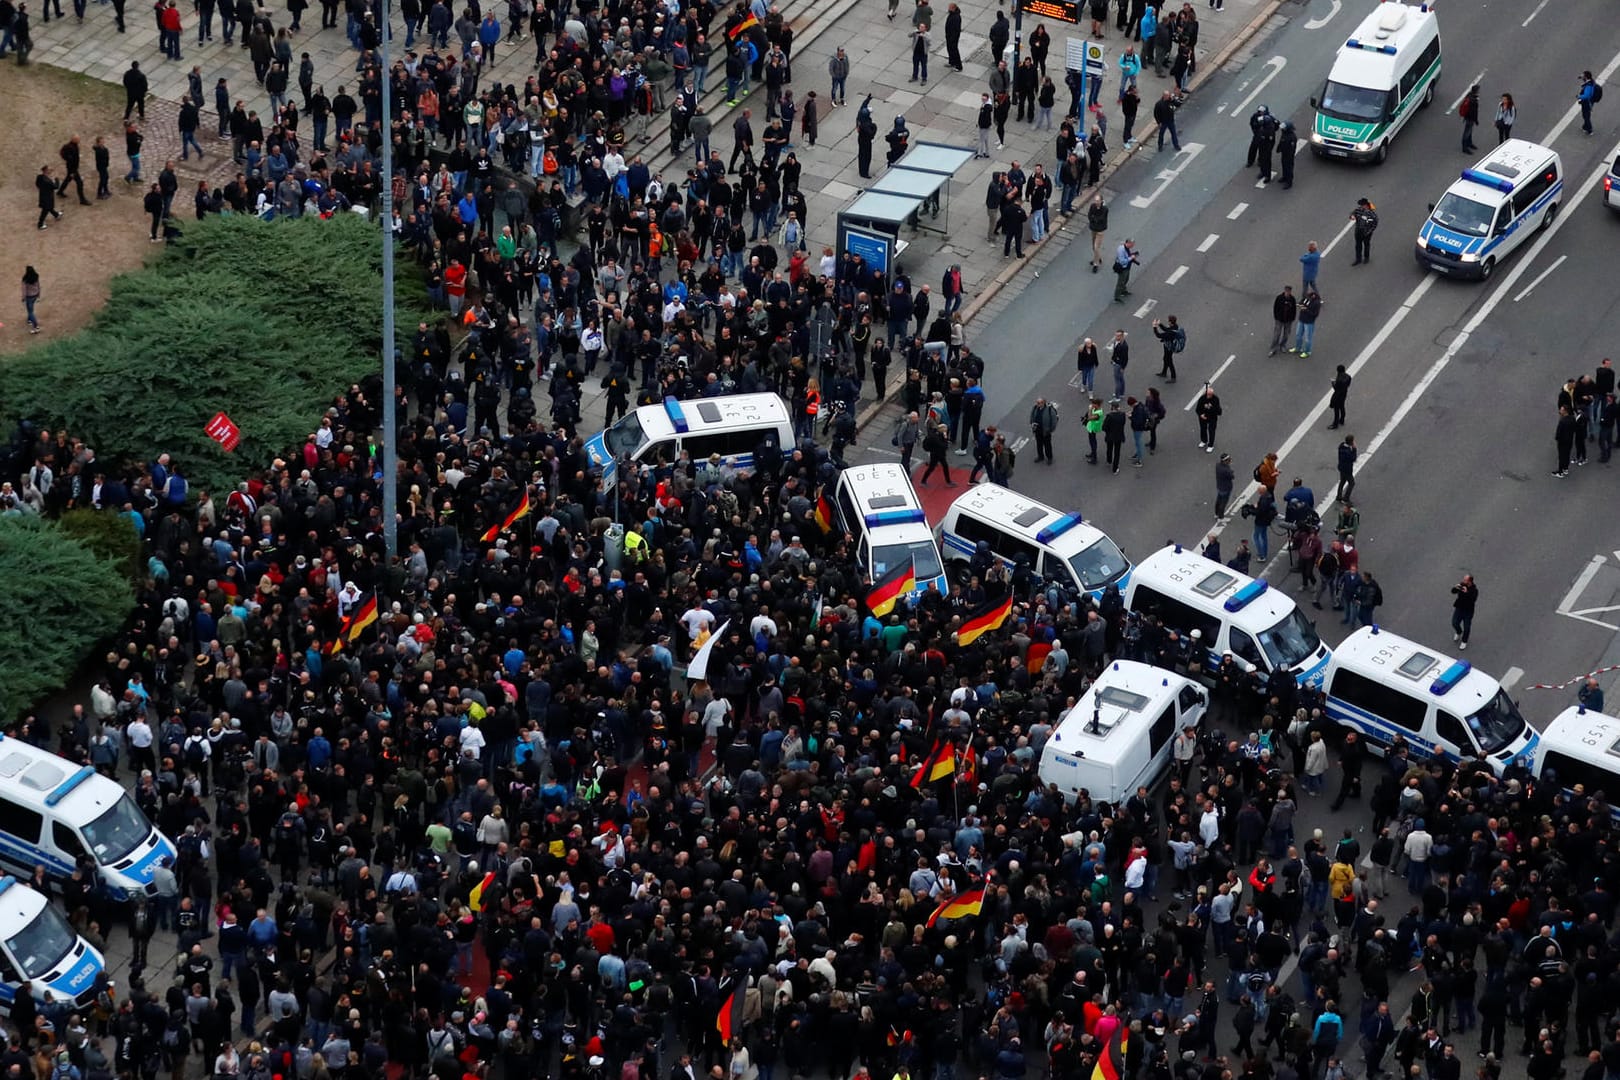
pixel 489 35
pixel 1588 95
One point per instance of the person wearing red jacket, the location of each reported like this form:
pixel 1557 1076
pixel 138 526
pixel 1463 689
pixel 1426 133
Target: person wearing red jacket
pixel 168 18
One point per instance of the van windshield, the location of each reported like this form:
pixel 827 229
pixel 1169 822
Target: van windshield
pixel 1462 215
pixel 1498 725
pixel 40 946
pixel 118 831
pixel 1291 642
pixel 625 437
pixel 1099 565
pixel 925 558
pixel 1354 103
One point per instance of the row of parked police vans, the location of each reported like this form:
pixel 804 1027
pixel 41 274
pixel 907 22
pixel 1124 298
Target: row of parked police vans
pixel 1376 682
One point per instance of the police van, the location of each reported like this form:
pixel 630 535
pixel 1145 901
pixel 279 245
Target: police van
pixel 1383 74
pixel 1057 546
pixel 1119 735
pixel 53 811
pixel 1582 748
pixel 38 946
pixel 1233 613
pixel 731 425
pixel 1383 685
pixel 1491 209
pixel 877 505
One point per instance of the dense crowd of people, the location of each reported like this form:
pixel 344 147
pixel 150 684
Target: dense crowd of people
pixel 463 813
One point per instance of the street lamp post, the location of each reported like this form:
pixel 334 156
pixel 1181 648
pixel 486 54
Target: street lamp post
pixel 390 454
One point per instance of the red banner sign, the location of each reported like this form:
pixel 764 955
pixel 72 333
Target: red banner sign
pixel 224 432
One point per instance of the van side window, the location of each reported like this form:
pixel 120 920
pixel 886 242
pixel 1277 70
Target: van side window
pixel 1163 729
pixel 846 509
pixel 1384 702
pixel 19 821
pixel 1180 617
pixel 1451 729
pixel 1424 62
pixel 67 841
pixel 1006 545
pixel 1244 648
pixel 660 452
pixel 1534 188
pixel 1190 698
pixel 724 443
pixel 1575 770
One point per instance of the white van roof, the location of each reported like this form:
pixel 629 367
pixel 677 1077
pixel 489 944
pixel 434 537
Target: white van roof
pixel 45 781
pixel 885 499
pixel 1027 517
pixel 1248 602
pixel 1585 733
pixel 1427 673
pixel 1126 690
pixel 677 417
pixel 1502 170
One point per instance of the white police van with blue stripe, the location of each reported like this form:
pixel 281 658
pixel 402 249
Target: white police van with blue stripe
pixel 877 505
pixel 53 811
pixel 1581 748
pixel 731 425
pixel 1492 209
pixel 38 946
pixel 1261 627
pixel 1383 685
pixel 1056 546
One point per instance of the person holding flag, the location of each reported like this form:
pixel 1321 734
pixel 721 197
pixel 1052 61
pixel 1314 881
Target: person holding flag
pixel 891 588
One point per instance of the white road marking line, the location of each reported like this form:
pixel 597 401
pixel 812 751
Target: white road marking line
pixel 1274 68
pixel 1475 81
pixel 1511 677
pixel 1220 108
pixel 1176 275
pixel 1574 109
pixel 1317 24
pixel 1524 292
pixel 1534 13
pixel 1147 306
pixel 1209 242
pixel 1209 382
pixel 1566 606
pixel 1168 176
pixel 1260 185
pixel 1019 443
pixel 1074 380
pixel 1237 211
pixel 1344 232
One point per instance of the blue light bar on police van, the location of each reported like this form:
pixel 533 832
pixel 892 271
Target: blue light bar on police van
pixel 66 787
pixel 896 517
pixel 7 882
pixel 1246 596
pixel 1356 43
pixel 1485 179
pixel 677 416
pixel 1450 677
pixel 1058 528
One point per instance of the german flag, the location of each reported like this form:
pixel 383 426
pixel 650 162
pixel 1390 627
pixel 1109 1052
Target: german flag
pixel 475 899
pixel 1111 1061
pixel 961 906
pixel 521 512
pixel 988 618
pixel 353 625
pixel 723 1022
pixel 887 590
pixel 742 28
pixel 940 763
pixel 824 513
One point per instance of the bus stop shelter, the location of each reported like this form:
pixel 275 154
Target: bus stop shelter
pixel 915 186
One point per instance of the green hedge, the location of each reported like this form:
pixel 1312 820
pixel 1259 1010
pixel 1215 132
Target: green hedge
pixel 264 320
pixel 111 536
pixel 58 598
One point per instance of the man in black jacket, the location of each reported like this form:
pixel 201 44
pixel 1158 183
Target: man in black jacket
pixel 135 88
pixel 71 175
pixel 46 185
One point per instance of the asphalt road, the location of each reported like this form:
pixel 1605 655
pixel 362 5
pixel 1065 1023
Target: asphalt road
pixel 1453 400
